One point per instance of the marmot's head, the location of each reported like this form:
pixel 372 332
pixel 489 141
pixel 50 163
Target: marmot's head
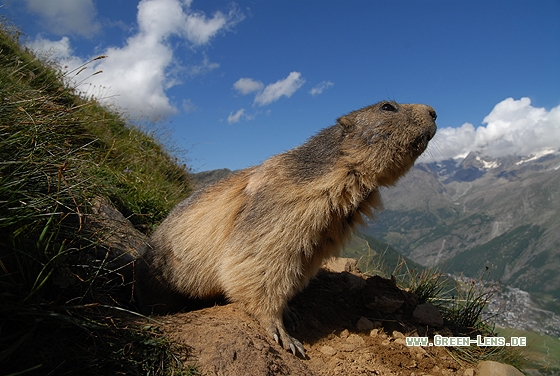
pixel 385 139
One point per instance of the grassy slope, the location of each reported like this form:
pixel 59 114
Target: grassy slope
pixel 376 257
pixel 57 152
pixel 542 351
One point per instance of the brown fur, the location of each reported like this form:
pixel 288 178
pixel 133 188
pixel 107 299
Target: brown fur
pixel 258 236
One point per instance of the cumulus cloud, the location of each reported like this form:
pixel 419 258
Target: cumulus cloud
pixel 67 16
pixel 136 76
pixel 234 118
pixel 513 127
pixel 248 85
pixel 54 49
pixel 320 87
pixel 279 89
pixel 265 94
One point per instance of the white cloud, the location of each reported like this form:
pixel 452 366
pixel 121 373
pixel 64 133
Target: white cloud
pixel 67 16
pixel 320 87
pixel 281 88
pixel 234 118
pixel 200 30
pixel 248 85
pixel 265 94
pixel 204 67
pixel 513 127
pixel 136 76
pixel 52 49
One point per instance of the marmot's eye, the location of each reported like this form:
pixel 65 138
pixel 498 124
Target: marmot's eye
pixel 388 107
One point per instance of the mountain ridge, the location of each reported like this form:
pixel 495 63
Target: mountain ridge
pixel 454 212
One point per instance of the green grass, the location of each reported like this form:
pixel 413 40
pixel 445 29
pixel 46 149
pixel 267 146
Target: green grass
pixel 374 256
pixel 546 301
pixel 542 351
pixel 61 305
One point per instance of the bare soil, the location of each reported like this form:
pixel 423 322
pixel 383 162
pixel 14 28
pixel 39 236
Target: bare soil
pixel 224 340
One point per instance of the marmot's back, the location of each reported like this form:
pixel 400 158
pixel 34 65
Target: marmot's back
pixel 258 236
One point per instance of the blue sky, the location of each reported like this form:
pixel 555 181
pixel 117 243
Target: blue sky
pixel 236 82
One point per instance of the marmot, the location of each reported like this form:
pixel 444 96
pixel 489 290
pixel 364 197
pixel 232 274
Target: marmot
pixel 259 235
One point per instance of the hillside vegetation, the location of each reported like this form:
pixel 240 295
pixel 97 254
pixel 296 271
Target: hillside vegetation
pixel 59 152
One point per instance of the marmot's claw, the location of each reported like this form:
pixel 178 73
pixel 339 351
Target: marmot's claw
pixel 288 342
pixel 297 347
pixel 301 350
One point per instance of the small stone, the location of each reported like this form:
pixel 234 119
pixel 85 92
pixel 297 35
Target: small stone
pixel 469 372
pixel 355 340
pixel 356 282
pixel 328 350
pixel 386 342
pixel 341 264
pixel 491 368
pixel 344 334
pixel 374 333
pixel 428 314
pixel 400 341
pixel 397 334
pixel 364 324
pixel 384 304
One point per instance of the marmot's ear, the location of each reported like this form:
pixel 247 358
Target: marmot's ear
pixel 346 121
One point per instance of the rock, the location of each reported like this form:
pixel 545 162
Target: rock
pixel 397 334
pixel 364 324
pixel 356 282
pixel 384 304
pixel 355 340
pixel 348 347
pixel 116 241
pixel 340 264
pixel 400 341
pixel 328 350
pixel 491 368
pixel 469 372
pixel 344 334
pixel 428 314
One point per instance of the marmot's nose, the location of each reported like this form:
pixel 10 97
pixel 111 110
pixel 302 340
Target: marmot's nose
pixel 433 114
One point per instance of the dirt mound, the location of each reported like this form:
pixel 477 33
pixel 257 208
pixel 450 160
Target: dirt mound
pixel 349 325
